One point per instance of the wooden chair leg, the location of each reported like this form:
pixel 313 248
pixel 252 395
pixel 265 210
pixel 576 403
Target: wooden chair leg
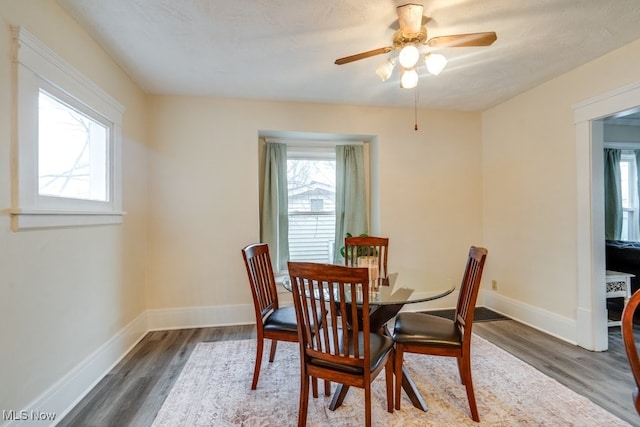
pixel 256 368
pixel 367 405
pixel 314 387
pixel 272 355
pixel 388 373
pixel 459 360
pixel 465 366
pixel 304 400
pixel 398 374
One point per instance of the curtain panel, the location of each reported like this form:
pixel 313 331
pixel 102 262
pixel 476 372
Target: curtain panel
pixel 274 221
pixel 351 197
pixel 612 194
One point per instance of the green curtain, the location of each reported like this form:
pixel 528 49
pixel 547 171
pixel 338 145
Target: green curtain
pixel 612 194
pixel 351 197
pixel 274 223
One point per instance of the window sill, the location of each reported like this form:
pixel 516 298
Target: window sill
pixel 38 219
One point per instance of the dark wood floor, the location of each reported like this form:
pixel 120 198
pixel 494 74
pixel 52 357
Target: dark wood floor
pixel 133 392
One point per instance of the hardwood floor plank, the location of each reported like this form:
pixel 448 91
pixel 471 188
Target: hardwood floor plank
pixel 602 377
pixel 134 391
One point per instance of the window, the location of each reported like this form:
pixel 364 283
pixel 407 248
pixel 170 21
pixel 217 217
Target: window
pixel 628 186
pixel 66 155
pixel 72 152
pixel 314 188
pixel 311 181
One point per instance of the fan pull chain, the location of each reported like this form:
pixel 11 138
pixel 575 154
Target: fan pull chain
pixel 415 109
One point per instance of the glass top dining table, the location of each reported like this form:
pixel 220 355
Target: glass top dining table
pixel 385 301
pixel 383 294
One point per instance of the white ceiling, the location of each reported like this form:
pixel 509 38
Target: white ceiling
pixel 285 49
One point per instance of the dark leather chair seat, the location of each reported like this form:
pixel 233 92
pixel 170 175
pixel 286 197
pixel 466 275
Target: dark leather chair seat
pixel 379 347
pixel 282 319
pixel 426 329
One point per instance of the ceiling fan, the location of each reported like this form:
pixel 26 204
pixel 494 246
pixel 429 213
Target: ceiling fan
pixel 409 38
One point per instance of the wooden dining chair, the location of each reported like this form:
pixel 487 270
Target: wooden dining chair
pixel 437 336
pixel 630 345
pixel 272 321
pixel 344 349
pixel 368 246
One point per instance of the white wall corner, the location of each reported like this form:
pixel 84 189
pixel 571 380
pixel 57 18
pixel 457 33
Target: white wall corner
pixel 546 321
pixel 65 394
pixel 587 333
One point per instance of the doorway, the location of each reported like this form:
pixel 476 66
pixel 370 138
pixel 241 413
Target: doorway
pixel 591 312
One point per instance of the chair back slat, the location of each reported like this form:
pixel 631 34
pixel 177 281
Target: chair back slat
pixel 261 278
pixel 324 291
pixel 469 288
pixel 367 246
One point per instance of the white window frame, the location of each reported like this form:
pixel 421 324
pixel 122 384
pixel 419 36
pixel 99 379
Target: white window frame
pixel 37 67
pixel 312 151
pixel 632 211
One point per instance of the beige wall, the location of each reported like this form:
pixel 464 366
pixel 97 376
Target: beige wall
pixel 530 183
pixel 65 292
pixel 204 190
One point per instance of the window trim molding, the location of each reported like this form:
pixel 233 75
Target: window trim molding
pixel 35 66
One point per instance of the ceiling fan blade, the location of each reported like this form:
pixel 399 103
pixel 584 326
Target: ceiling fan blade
pixel 463 40
pixel 410 17
pixel 363 55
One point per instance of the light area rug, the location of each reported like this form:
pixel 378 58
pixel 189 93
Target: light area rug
pixel 214 389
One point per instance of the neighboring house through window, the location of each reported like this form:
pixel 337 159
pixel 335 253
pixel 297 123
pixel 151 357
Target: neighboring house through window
pixel 311 184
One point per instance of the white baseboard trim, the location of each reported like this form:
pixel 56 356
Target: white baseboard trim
pixel 65 394
pixel 200 317
pixel 550 323
pixel 62 396
pixel 545 321
pixel 68 391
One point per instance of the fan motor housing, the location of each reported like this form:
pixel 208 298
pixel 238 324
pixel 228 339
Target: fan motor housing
pixel 401 39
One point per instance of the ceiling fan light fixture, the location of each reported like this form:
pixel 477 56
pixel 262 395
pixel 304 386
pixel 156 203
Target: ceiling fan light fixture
pixel 384 71
pixel 435 63
pixel 409 56
pixel 409 79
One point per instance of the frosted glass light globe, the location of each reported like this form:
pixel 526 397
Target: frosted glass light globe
pixel 435 63
pixel 409 79
pixel 384 71
pixel 409 56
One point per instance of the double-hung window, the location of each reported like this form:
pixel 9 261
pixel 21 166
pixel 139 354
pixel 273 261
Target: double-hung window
pixel 312 193
pixel 66 168
pixel 311 182
pixel 629 190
